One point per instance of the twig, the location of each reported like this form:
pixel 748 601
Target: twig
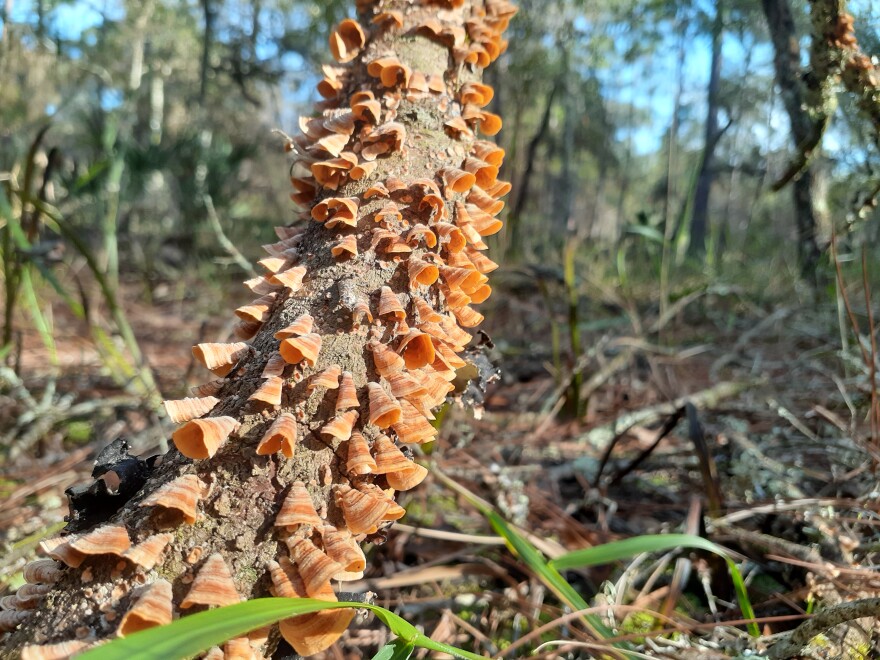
pixel 776 507
pixel 841 286
pixel 791 418
pixel 670 423
pixel 791 646
pixel 227 245
pixel 617 364
pixel 745 339
pixel 704 399
pixel 708 469
pixel 875 412
pixel 455 537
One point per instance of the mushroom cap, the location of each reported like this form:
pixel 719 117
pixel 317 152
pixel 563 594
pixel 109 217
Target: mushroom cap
pixel 301 326
pixel 213 585
pixel 153 608
pixel 298 509
pixel 201 438
pixel 146 554
pixel 359 460
pixel 183 410
pixel 269 392
pixel 346 397
pixel 341 425
pixel 219 358
pixel 280 436
pixel 384 410
pixel 180 494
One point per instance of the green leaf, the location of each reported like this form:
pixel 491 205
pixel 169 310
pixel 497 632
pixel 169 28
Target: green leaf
pixel 650 233
pixel 520 547
pixel 545 571
pixel 89 175
pixel 617 550
pixel 198 632
pixel 396 650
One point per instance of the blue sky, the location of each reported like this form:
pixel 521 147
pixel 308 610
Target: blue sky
pixel 652 90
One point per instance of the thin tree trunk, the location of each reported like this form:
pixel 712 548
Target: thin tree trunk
pixel 208 14
pixel 706 177
pixel 786 61
pixel 568 223
pixel 7 12
pixel 514 218
pixel 379 321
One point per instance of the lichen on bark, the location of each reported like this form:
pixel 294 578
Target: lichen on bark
pixel 392 168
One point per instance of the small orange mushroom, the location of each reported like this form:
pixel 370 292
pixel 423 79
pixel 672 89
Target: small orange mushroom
pixel 153 608
pixel 183 410
pixel 390 71
pixel 359 461
pixel 280 436
pixel 347 40
pixel 347 396
pixel 269 392
pixel 384 410
pixel 147 553
pixel 341 425
pixel 297 509
pixel 347 247
pixel 220 358
pixel 213 585
pixel 201 438
pixel 182 494
pixel 301 349
pixel 301 326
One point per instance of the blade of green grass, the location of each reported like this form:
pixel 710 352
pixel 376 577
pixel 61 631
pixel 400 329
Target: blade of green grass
pixel 198 632
pixel 520 547
pixel 396 650
pixel 617 550
pixel 37 316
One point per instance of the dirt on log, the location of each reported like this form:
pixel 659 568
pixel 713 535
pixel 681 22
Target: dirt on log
pixel 290 459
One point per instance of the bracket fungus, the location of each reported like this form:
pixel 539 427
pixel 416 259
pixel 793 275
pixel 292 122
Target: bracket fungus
pixel 369 294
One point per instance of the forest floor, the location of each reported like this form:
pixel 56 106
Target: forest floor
pixel 773 460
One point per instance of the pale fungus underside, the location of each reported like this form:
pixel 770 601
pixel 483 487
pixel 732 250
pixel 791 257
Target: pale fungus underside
pixel 290 459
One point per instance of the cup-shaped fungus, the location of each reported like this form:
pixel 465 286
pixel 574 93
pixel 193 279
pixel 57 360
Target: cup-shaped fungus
pixel 182 494
pixel 301 349
pixel 201 438
pixel 297 509
pixel 359 460
pixel 220 358
pixel 213 585
pixel 281 436
pixel 183 410
pixel 347 40
pixel 152 608
pixel 346 397
pixel 148 552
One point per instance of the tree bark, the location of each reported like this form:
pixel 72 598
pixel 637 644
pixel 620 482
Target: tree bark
pixel 402 179
pixel 805 127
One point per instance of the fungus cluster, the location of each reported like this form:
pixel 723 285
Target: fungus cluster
pixel 354 336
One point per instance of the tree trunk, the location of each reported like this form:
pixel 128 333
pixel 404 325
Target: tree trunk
pixel 369 302
pixel 208 13
pixel 514 218
pixel 786 61
pixel 706 177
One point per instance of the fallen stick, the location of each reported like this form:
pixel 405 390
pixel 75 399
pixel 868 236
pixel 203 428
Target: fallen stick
pixel 791 645
pixel 702 400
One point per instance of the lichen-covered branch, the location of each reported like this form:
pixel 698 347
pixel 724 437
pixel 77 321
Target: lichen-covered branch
pixel 792 645
pixel 290 459
pixel 835 57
